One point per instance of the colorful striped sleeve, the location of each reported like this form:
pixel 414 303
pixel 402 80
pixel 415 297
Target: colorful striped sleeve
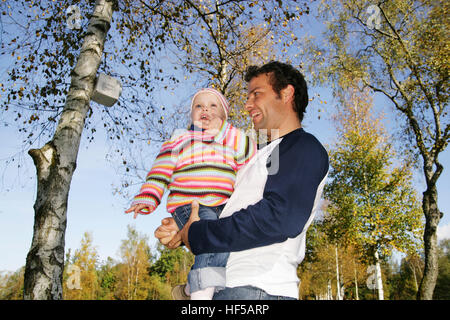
pixel 245 148
pixel 158 178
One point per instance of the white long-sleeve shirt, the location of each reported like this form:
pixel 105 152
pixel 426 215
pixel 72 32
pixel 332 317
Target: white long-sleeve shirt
pixel 264 223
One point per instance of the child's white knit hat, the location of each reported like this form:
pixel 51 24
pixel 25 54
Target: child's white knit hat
pixel 220 96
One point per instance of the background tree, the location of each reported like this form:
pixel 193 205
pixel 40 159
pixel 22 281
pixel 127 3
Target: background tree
pixel 317 273
pixel 372 204
pixel 85 260
pixel 56 161
pixel 404 283
pixel 172 265
pixel 328 266
pixel 133 279
pixel 107 278
pixel 159 289
pixel 404 58
pixel 442 291
pixel 11 285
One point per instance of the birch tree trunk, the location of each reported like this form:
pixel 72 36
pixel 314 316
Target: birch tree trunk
pixel 329 293
pixel 432 218
pixel 414 275
pixel 379 280
pixel 56 162
pixel 356 284
pixel 338 289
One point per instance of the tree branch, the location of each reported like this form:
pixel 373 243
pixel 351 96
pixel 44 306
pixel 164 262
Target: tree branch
pixel 413 67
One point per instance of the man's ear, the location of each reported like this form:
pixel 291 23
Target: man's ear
pixel 287 94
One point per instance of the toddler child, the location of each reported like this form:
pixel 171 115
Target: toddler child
pixel 198 164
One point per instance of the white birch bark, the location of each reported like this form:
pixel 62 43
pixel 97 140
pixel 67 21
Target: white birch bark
pixel 415 278
pixel 338 286
pixel 56 162
pixel 379 280
pixel 356 285
pixel 329 293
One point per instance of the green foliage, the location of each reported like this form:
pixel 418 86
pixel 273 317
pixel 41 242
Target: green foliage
pixel 404 282
pixel 318 272
pixel 169 260
pixel 107 277
pixel 405 59
pixel 159 289
pixel 170 268
pixel 370 206
pixel 442 290
pixel 11 285
pixel 372 203
pixel 85 260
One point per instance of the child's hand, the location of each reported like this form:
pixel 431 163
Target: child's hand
pixel 137 208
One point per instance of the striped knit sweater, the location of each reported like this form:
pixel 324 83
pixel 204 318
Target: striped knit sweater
pixel 193 165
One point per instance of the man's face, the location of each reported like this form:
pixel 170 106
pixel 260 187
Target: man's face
pixel 206 107
pixel 265 107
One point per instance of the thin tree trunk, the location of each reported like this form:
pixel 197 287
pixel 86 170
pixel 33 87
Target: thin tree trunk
pixel 338 289
pixel 128 282
pixel 329 293
pixel 379 280
pixel 136 280
pixel 413 269
pixel 415 278
pixel 356 284
pixel 433 216
pixel 55 164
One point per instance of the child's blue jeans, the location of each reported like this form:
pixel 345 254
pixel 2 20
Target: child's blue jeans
pixel 209 268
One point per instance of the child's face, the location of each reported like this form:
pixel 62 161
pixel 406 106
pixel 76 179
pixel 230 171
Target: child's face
pixel 206 107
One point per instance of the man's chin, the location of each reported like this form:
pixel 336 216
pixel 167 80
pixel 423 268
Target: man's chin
pixel 258 125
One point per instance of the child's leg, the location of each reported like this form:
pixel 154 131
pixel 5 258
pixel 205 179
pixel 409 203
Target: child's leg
pixel 208 271
pixel 204 294
pixel 207 274
pixel 181 215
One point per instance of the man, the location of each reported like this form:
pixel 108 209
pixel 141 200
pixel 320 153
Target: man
pixel 276 195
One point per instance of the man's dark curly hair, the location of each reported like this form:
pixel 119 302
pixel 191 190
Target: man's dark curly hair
pixel 280 76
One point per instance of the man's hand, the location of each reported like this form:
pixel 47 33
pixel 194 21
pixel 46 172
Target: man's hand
pixel 182 236
pixel 166 231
